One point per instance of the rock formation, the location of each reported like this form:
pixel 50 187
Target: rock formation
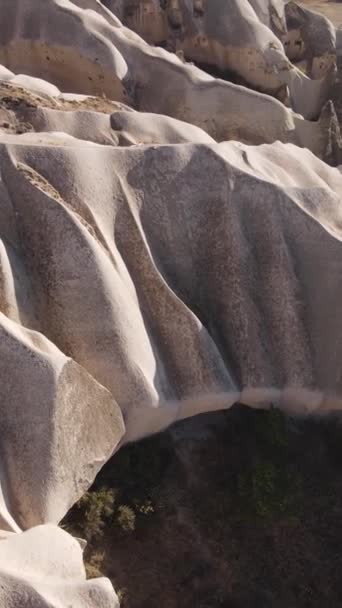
pixel 151 269
pixel 111 60
pixel 253 40
pixel 43 567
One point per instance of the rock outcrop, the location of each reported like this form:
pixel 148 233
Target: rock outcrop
pixel 111 60
pixel 43 567
pixel 251 40
pixel 57 423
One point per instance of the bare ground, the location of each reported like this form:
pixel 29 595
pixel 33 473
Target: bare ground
pixel 332 10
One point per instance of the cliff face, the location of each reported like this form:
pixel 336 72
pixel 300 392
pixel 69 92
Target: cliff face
pixel 170 245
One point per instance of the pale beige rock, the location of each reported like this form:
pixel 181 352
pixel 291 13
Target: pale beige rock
pixel 135 224
pixel 98 7
pixel 5 74
pixel 86 125
pixel 121 128
pixel 140 128
pixel 61 47
pixel 271 13
pixel 57 426
pixel 104 58
pixel 245 38
pixel 315 37
pixel 43 568
pixel 37 85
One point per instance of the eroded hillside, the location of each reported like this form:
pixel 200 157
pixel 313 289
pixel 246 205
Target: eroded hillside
pixel 170 245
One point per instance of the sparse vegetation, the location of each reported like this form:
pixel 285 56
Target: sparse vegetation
pixel 248 516
pixel 96 509
pixel 270 485
pixel 94 564
pixel 126 518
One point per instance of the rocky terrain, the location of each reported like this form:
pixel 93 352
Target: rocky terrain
pixel 330 9
pixel 170 228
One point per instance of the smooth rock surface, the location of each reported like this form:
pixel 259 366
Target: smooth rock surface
pixel 136 223
pixel 43 568
pixel 85 52
pixel 247 39
pixel 58 426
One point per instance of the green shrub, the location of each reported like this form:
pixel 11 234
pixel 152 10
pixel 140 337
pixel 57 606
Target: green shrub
pixel 126 518
pixel 94 564
pixel 268 491
pixel 95 509
pixel 272 427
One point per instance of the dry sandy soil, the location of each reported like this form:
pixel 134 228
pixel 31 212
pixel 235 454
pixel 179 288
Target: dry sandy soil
pixel 332 10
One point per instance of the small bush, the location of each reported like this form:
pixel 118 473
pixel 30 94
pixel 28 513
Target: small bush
pixel 95 508
pixel 146 508
pixel 93 566
pixel 272 428
pixel 126 518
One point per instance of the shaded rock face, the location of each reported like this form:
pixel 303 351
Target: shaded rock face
pixel 149 273
pixel 204 497
pixel 67 414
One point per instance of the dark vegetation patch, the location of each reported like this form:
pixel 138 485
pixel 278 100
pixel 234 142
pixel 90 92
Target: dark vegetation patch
pixel 239 509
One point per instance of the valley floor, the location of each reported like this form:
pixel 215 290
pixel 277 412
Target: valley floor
pixel 241 509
